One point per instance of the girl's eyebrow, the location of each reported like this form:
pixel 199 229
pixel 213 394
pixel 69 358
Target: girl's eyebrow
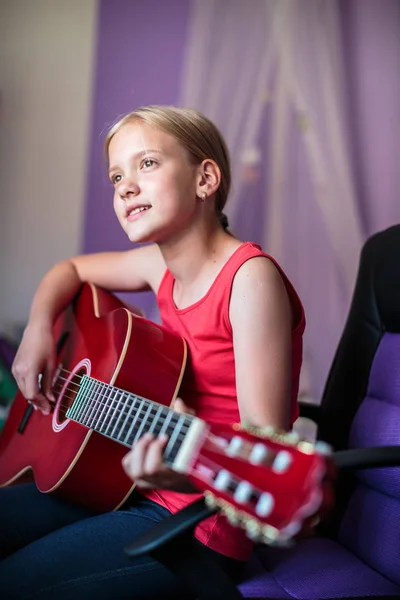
pixel 138 155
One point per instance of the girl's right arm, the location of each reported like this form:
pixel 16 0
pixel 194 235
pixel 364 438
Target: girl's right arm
pixel 134 270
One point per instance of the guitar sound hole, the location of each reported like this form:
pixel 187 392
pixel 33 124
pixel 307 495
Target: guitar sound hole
pixel 70 394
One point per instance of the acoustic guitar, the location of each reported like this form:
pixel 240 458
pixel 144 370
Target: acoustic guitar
pixel 117 375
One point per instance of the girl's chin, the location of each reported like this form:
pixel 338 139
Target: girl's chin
pixel 141 238
pixel 136 239
pixel 142 235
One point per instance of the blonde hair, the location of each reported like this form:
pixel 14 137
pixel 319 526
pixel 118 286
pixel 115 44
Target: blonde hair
pixel 195 132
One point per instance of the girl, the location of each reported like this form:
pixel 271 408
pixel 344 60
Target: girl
pixel 243 323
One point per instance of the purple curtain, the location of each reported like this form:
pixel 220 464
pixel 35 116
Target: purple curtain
pixel 140 60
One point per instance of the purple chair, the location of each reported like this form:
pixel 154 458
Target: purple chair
pixel 356 554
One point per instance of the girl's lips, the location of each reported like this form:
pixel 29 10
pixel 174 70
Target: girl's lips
pixel 133 216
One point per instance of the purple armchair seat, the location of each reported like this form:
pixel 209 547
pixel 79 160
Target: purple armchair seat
pixel 356 554
pixel 315 568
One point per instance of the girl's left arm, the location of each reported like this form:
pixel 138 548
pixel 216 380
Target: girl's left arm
pixel 261 319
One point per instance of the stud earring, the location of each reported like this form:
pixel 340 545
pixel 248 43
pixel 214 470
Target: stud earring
pixel 203 196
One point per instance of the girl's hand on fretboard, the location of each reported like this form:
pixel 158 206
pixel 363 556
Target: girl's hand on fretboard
pixel 144 463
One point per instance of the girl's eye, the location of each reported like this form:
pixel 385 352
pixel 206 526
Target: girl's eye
pixel 147 163
pixel 115 179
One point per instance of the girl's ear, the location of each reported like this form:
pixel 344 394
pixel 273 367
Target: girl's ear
pixel 209 178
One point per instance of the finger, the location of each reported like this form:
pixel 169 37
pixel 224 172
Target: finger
pixel 134 460
pixel 42 404
pixel 47 380
pixel 32 404
pixel 24 391
pixel 21 385
pixel 30 388
pixel 153 460
pixel 127 464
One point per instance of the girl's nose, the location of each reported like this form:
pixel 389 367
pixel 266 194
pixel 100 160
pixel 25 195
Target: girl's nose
pixel 128 188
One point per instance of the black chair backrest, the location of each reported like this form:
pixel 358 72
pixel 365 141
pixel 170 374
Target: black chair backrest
pixel 374 310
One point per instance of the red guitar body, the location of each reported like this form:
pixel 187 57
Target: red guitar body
pixel 103 339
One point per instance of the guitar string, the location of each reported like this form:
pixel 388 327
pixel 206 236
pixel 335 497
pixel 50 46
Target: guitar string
pixel 102 383
pixel 104 396
pixel 119 410
pixel 108 387
pixel 131 438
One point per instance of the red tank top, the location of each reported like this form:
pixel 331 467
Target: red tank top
pixel 206 327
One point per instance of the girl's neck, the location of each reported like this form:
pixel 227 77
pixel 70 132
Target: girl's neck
pixel 195 251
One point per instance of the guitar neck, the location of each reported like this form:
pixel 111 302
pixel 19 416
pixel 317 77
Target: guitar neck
pixel 125 418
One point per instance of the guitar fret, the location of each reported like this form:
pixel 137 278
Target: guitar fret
pixel 173 453
pixel 153 427
pixel 139 421
pixel 77 406
pixel 129 439
pixel 93 404
pixel 108 405
pixel 133 420
pixel 165 425
pixel 150 416
pixel 173 439
pixel 172 425
pixel 130 408
pixel 87 408
pixel 99 405
pixel 103 406
pixel 83 393
pixel 128 419
pixel 146 416
pixel 115 415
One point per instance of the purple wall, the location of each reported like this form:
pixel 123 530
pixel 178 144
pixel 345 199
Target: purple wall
pixel 139 58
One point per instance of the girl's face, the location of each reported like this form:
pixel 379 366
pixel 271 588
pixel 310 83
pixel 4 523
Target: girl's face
pixel 154 183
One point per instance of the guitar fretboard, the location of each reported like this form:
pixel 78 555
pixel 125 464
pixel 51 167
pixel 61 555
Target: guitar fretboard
pixel 125 417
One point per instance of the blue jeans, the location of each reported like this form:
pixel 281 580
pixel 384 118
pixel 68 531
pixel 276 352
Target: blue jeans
pixel 53 549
